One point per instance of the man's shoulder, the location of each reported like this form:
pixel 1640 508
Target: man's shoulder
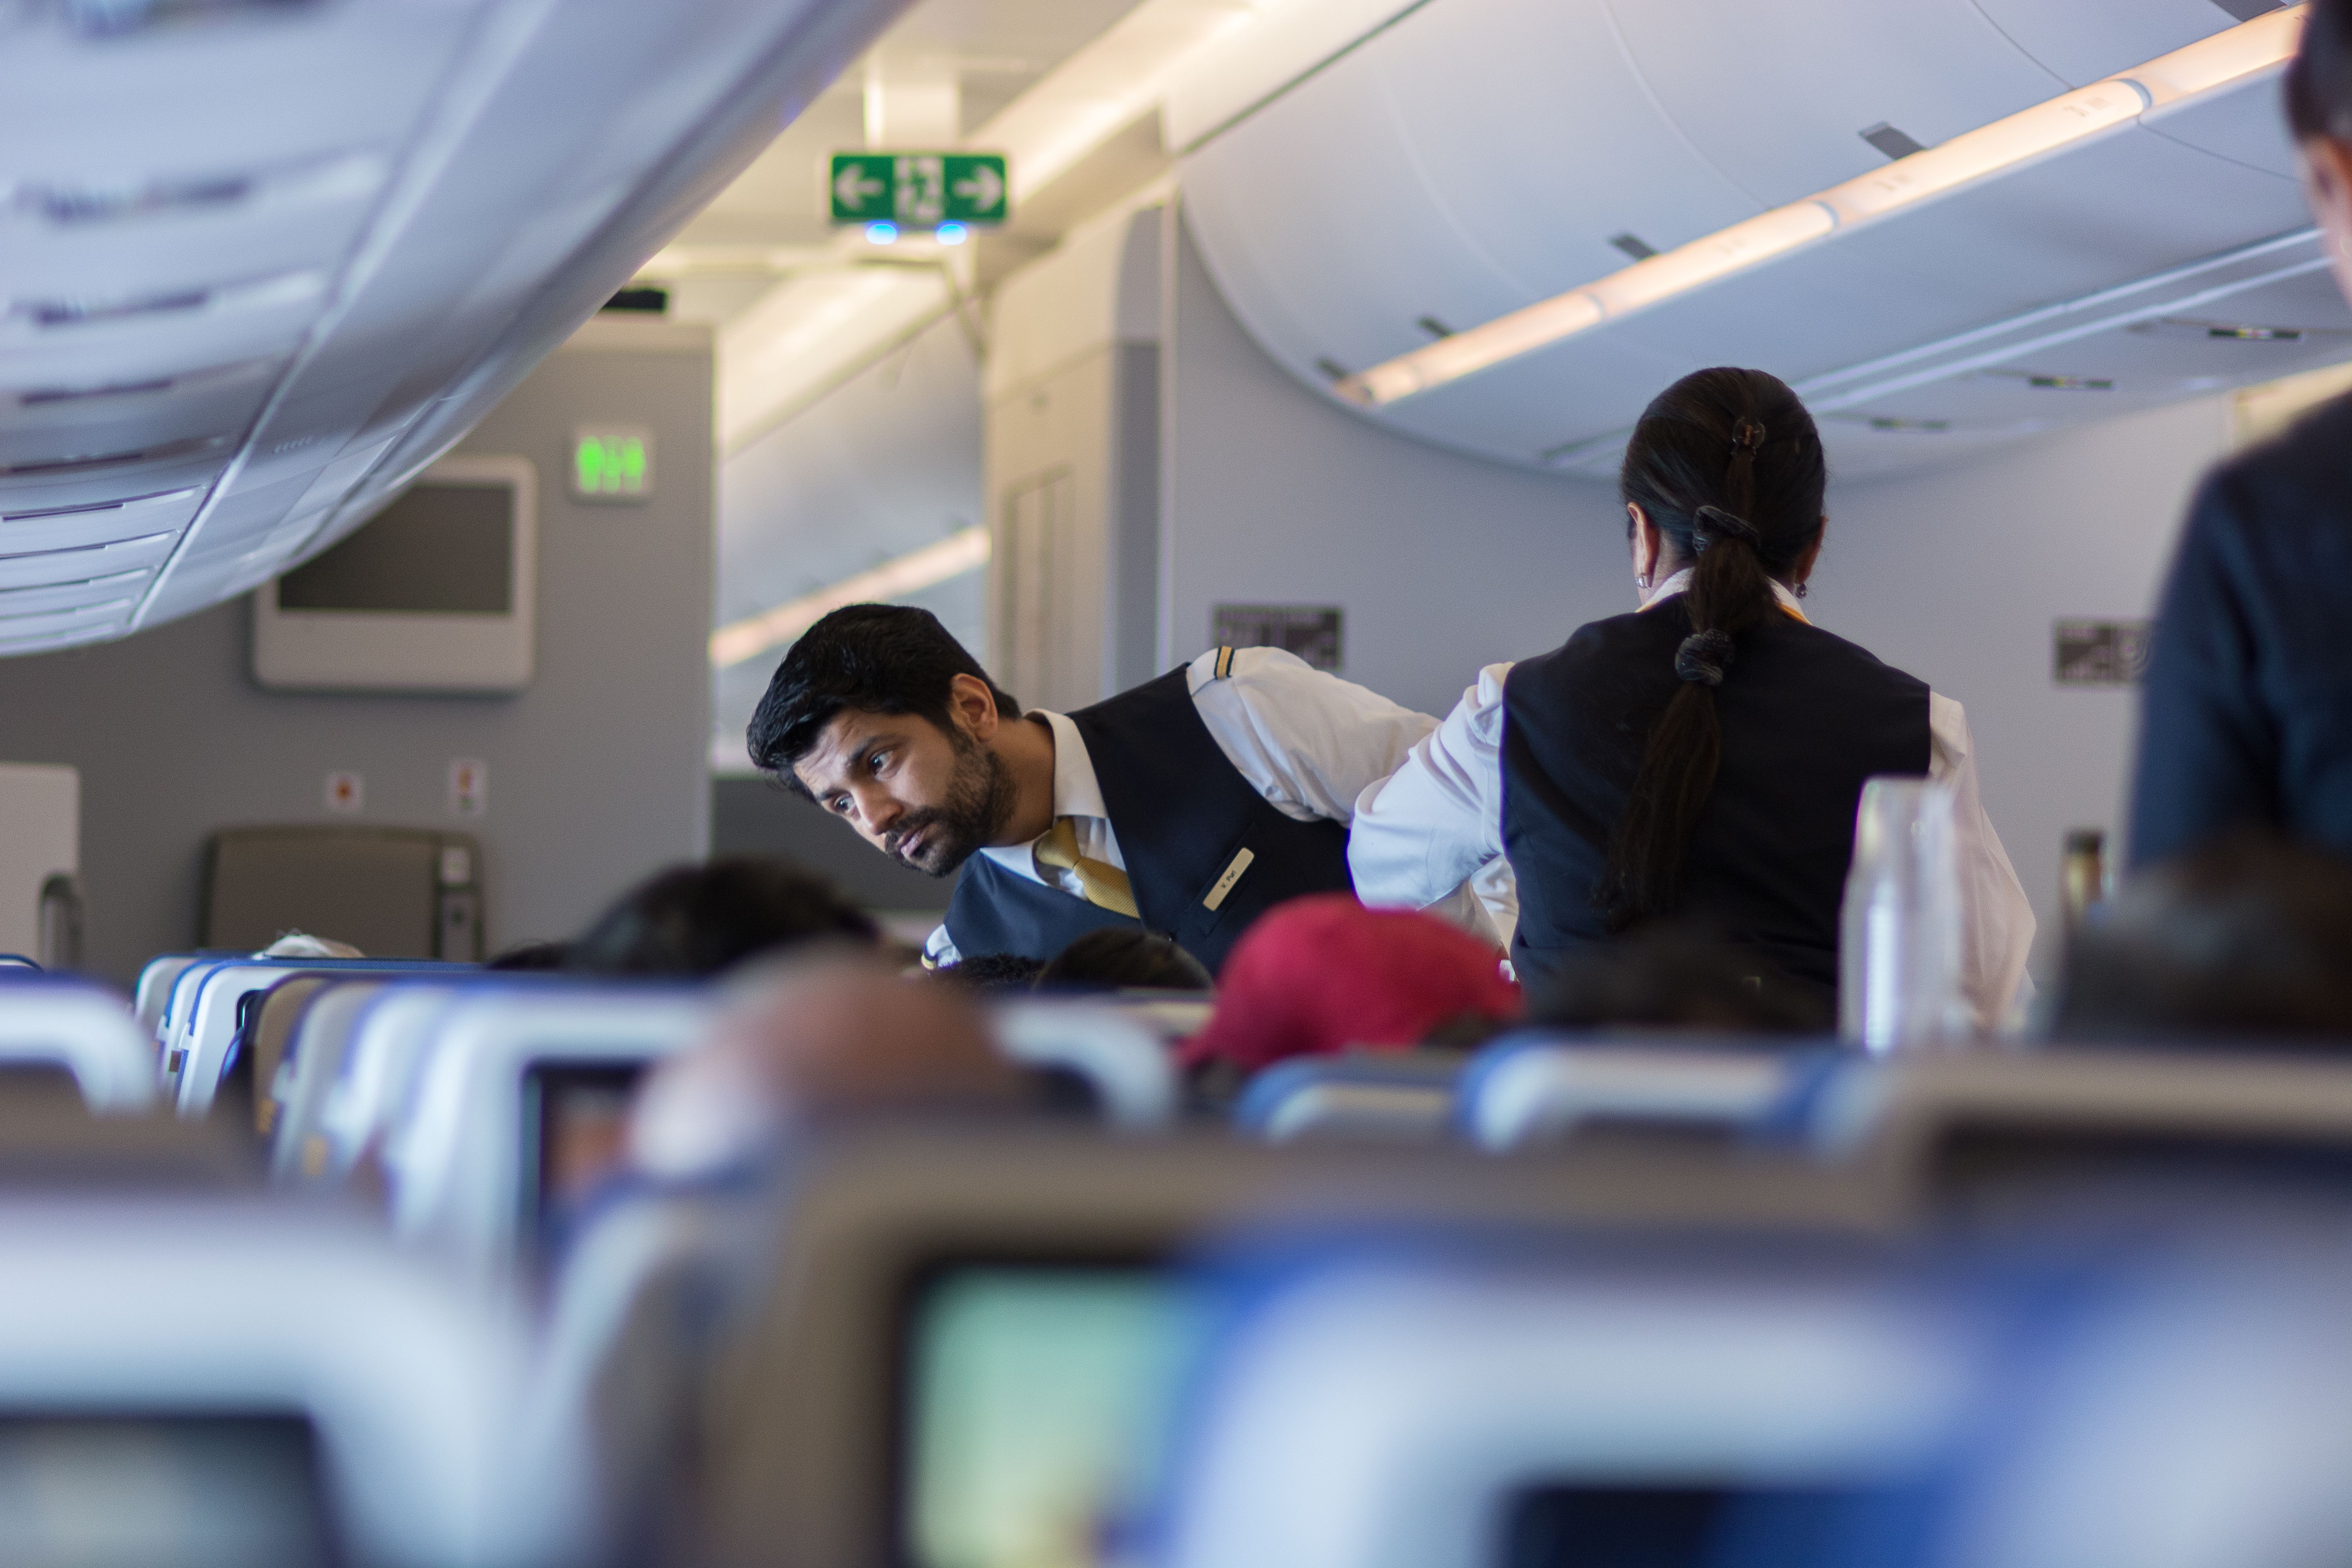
pixel 2296 482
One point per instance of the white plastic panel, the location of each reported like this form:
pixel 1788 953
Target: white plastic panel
pixel 2125 204
pixel 73 595
pixel 106 616
pixel 1779 101
pixel 2082 41
pixel 370 216
pixel 2243 124
pixel 60 339
pixel 218 93
pixel 137 519
pixel 1442 173
pixel 1541 150
pixel 179 465
pixel 59 238
pixel 46 424
pixel 84 562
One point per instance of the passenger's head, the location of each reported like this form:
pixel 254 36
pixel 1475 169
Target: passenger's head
pixel 811 1039
pixel 2247 938
pixel 992 971
pixel 1670 978
pixel 1723 474
pixel 1323 975
pixel 883 719
pixel 701 920
pixel 525 957
pixel 1124 958
pixel 2319 114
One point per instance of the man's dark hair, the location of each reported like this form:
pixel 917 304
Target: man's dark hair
pixel 2318 85
pixel 2247 937
pixel 877 658
pixel 1125 958
pixel 1678 976
pixel 700 920
pixel 995 971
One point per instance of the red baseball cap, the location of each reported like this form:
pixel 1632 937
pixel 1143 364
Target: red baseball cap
pixel 1323 974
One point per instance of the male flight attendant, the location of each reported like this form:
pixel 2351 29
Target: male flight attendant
pixel 1191 802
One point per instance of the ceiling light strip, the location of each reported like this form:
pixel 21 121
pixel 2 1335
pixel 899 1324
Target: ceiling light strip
pixel 2264 44
pixel 959 553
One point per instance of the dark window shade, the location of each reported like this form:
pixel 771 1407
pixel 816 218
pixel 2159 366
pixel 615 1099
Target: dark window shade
pixel 441 549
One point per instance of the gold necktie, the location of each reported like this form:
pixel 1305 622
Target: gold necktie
pixel 1104 884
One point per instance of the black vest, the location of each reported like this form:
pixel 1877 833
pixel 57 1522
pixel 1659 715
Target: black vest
pixel 1183 815
pixel 1806 718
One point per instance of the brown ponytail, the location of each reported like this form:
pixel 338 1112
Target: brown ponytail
pixel 1727 463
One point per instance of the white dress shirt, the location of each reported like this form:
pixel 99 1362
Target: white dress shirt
pixel 1438 820
pixel 1307 740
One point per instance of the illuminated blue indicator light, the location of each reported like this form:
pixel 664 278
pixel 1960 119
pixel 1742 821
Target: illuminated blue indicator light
pixel 951 233
pixel 882 233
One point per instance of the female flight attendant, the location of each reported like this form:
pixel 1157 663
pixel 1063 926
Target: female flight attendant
pixel 1701 759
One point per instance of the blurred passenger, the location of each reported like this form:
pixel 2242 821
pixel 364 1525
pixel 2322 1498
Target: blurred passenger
pixel 2246 715
pixel 1189 805
pixel 526 957
pixel 2248 938
pixel 1323 974
pixel 701 920
pixel 1701 758
pixel 302 944
pixel 809 1039
pixel 663 1262
pixel 1117 958
pixel 1670 977
pixel 994 972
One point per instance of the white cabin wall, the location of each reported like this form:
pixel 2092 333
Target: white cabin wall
pixel 596 770
pixel 1072 391
pixel 1956 576
pixel 1442 563
pixel 884 464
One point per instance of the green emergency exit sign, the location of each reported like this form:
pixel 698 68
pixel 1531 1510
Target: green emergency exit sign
pixel 919 190
pixel 612 463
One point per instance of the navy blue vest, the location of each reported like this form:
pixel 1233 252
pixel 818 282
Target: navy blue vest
pixel 1806 718
pixel 1183 815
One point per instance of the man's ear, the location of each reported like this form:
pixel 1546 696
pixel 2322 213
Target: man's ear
pixel 973 706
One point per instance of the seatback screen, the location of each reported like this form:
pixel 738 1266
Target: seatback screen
pixel 576 1129
pixel 1583 1525
pixel 441 549
pixel 196 1491
pixel 1034 1406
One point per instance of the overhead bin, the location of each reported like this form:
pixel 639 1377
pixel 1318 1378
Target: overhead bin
pixel 1780 97
pixel 287 252
pixel 1468 159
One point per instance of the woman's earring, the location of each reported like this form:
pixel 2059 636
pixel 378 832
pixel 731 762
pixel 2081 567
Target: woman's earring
pixel 1643 579
pixel 1801 590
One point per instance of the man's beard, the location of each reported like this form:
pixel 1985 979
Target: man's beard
pixel 979 805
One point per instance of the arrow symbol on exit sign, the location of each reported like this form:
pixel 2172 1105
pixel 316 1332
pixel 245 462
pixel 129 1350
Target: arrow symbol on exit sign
pixel 851 187
pixel 985 188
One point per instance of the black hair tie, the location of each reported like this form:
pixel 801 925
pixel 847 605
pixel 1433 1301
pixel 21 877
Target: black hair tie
pixel 1712 523
pixel 1705 656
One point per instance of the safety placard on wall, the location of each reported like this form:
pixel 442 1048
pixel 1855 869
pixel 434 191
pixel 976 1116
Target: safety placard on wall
pixel 2099 653
pixel 470 786
pixel 1310 631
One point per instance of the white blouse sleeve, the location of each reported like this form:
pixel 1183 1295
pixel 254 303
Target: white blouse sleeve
pixel 1423 831
pixel 1996 918
pixel 1307 740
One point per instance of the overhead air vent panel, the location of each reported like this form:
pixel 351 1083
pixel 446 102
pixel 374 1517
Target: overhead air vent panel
pixel 259 264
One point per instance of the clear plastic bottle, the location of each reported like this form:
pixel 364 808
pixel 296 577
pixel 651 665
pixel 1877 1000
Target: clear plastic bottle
pixel 1899 930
